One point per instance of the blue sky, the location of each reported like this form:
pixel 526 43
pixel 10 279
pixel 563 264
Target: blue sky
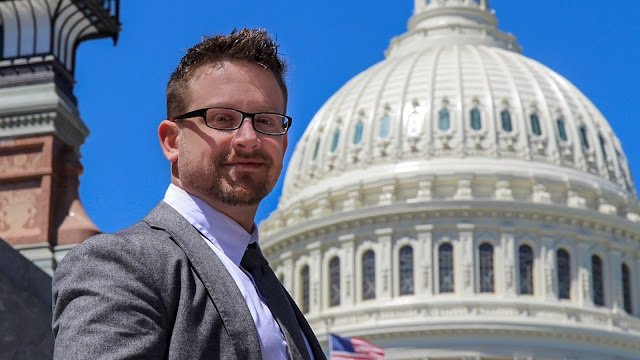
pixel 120 89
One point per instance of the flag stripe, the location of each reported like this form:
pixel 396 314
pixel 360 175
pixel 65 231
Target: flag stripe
pixel 345 348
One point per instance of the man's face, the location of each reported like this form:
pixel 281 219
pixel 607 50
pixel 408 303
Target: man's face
pixel 231 167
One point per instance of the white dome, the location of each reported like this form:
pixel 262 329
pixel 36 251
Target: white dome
pixel 459 200
pixel 385 122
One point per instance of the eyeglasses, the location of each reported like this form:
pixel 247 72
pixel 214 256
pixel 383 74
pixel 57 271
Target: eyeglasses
pixel 221 118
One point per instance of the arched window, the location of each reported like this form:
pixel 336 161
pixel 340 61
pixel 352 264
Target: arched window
pixel 445 268
pixel 304 286
pixel 385 126
pixel 561 129
pixel 535 124
pixel 583 137
pixel 603 146
pixel 368 275
pixel 357 135
pixel 486 268
pixel 505 116
pixel 525 256
pixel 334 142
pixel 334 282
pixel 564 274
pixel 476 121
pixel 598 285
pixel 315 151
pixel 406 270
pixel 626 288
pixel 414 124
pixel 443 120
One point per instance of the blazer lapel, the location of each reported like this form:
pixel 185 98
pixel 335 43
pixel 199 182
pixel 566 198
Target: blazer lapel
pixel 219 284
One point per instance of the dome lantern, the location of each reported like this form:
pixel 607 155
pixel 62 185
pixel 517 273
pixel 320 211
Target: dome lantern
pixel 447 22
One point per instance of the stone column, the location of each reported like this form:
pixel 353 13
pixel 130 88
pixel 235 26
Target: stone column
pixel 549 278
pixel 425 261
pixel 465 284
pixel 510 265
pixel 386 262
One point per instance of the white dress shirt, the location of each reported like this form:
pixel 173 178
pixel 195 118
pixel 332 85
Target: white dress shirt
pixel 229 240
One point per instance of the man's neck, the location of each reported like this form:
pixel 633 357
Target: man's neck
pixel 243 215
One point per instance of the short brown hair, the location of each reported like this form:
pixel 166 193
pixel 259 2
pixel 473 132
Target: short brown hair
pixel 252 45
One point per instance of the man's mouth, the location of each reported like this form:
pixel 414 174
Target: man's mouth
pixel 246 164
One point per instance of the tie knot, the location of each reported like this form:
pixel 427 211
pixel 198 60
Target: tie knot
pixel 253 259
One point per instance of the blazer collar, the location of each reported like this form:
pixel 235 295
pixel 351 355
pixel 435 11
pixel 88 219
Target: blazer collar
pixel 234 313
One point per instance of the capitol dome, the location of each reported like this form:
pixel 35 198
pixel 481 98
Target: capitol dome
pixel 458 194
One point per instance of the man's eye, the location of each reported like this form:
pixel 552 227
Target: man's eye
pixel 265 120
pixel 221 118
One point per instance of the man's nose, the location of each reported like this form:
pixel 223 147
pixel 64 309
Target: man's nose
pixel 246 136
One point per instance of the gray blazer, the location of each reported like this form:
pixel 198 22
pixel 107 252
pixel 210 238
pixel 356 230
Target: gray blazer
pixel 153 291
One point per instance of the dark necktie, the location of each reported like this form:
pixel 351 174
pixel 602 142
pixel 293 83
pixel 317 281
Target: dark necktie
pixel 277 301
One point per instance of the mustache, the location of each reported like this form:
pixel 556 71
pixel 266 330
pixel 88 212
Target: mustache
pixel 259 155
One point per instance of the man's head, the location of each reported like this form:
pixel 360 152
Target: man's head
pixel 232 170
pixel 251 45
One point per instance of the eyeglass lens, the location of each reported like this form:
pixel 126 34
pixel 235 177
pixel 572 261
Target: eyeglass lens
pixel 230 119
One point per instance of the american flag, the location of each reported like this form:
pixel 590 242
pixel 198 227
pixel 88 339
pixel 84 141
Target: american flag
pixel 353 348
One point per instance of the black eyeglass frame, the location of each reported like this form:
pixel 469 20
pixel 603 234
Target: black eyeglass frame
pixel 203 114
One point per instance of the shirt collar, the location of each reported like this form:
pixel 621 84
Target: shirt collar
pixel 222 231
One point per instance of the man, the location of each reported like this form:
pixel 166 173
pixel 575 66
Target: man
pixel 189 281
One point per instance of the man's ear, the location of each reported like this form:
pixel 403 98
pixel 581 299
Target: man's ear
pixel 168 134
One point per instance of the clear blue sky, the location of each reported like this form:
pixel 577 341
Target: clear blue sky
pixel 120 90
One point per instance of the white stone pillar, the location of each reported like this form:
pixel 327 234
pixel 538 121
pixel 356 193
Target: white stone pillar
pixel 548 276
pixel 465 284
pixel 386 262
pixel 425 261
pixel 347 270
pixel 583 271
pixel 510 265
pixel 613 281
pixel 315 280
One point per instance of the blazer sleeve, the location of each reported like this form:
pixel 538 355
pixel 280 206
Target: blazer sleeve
pixel 107 303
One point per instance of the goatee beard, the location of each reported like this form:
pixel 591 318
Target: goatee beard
pixel 244 190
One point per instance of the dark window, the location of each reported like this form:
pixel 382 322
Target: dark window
pixel 385 126
pixel 476 121
pixel 506 120
pixel 526 269
pixel 406 270
pixel 334 143
pixel 445 268
pixel 626 288
pixel 598 285
pixel 561 129
pixel 357 135
pixel 535 124
pixel 368 275
pixel 564 274
pixel 486 268
pixel 334 282
pixel 443 120
pixel 304 280
pixel 603 147
pixel 315 151
pixel 583 137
